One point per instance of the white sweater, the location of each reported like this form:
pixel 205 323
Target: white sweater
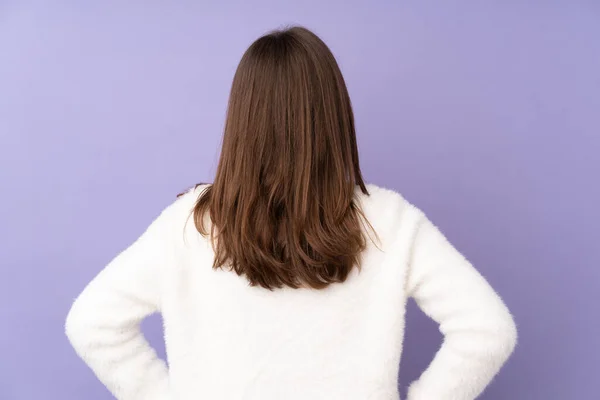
pixel 226 340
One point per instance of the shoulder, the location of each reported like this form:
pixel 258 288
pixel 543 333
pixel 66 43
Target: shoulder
pixel 180 210
pixel 388 210
pixel 190 197
pixel 384 195
pixel 384 203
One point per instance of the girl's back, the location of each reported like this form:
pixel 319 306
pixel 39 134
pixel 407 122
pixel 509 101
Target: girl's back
pixel 237 341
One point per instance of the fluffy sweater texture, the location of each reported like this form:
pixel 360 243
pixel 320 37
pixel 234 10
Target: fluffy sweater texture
pixel 227 340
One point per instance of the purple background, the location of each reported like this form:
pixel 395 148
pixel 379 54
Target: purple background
pixel 486 115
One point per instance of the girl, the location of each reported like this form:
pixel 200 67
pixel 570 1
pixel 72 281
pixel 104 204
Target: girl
pixel 287 278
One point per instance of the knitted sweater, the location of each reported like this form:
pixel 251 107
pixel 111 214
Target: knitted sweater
pixel 228 340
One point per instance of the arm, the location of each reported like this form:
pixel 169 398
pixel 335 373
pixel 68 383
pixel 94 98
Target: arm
pixel 479 332
pixel 103 324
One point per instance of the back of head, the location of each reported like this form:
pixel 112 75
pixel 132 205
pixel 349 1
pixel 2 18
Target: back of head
pixel 282 206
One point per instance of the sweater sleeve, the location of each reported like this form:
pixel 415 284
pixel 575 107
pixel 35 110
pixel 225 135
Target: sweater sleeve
pixel 103 324
pixel 479 332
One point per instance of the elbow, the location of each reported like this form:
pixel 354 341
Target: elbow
pixel 75 327
pixel 505 338
pixel 72 324
pixel 511 335
pixel 491 339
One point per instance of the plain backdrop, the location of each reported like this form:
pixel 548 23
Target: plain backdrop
pixel 484 114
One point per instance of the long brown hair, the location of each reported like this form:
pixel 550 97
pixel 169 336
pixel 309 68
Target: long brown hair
pixel 282 206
